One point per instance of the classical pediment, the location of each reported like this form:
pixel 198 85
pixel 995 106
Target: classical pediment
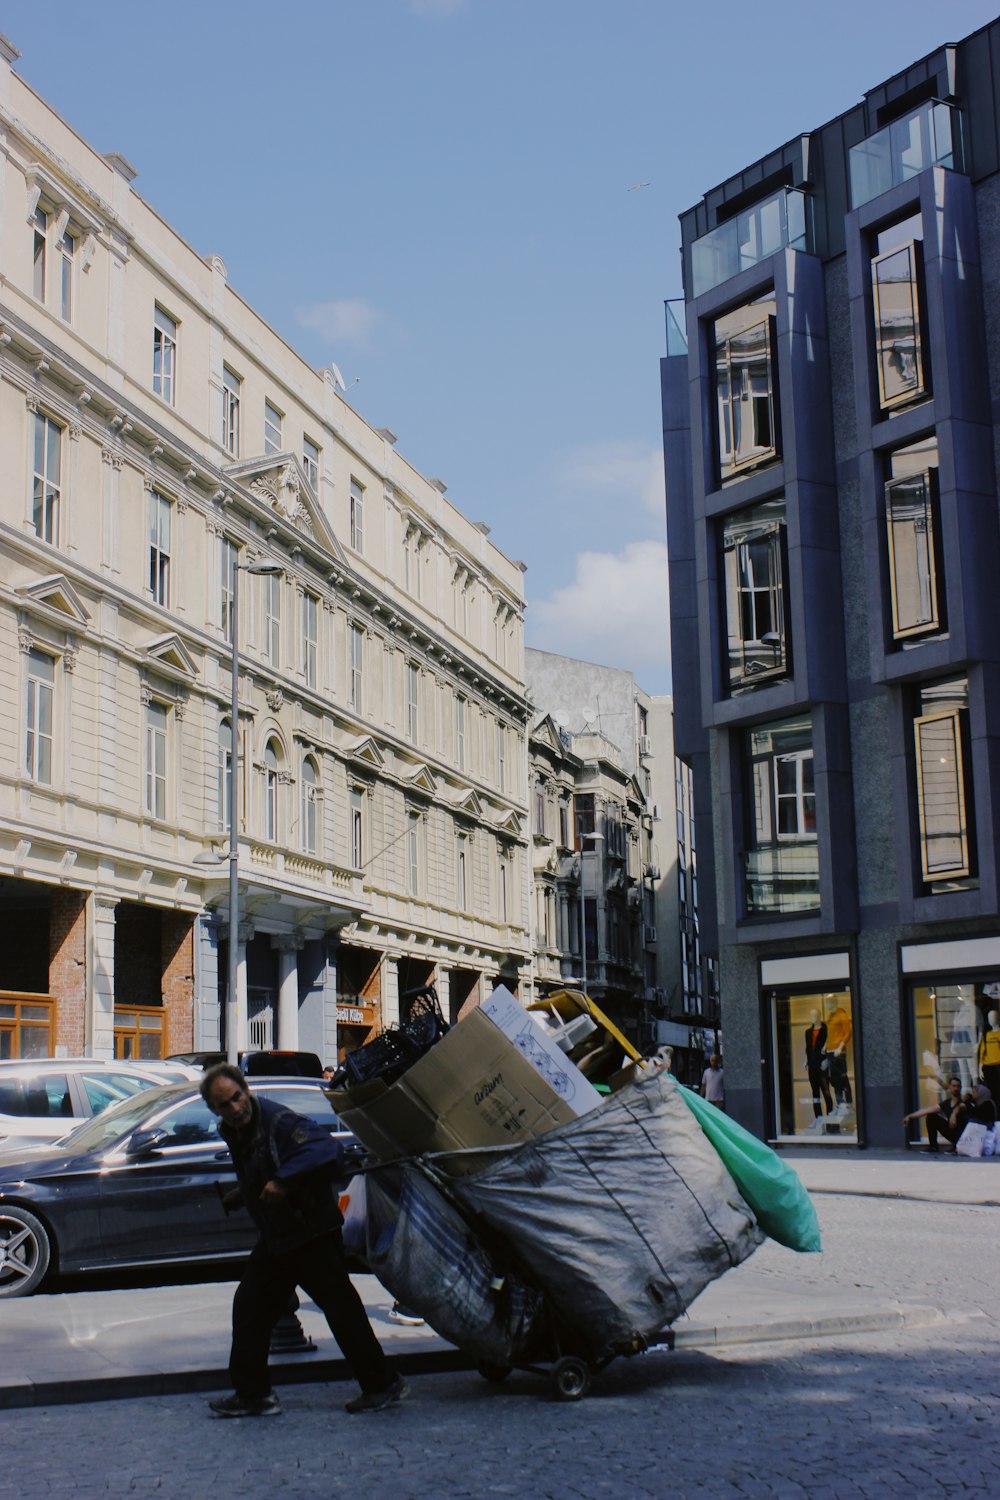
pixel 510 823
pixel 546 734
pixel 169 654
pixel 278 481
pixel 55 592
pixel 470 802
pixel 367 753
pixel 422 780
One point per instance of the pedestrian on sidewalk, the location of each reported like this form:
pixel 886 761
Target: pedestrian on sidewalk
pixel 713 1086
pixel 286 1168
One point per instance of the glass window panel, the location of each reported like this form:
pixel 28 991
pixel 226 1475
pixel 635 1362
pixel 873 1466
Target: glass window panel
pixel 910 508
pixel 745 388
pixel 899 350
pixel 944 833
pixel 782 860
pixel 814 1076
pixel 754 565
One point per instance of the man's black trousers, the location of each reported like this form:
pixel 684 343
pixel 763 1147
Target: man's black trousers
pixel 268 1282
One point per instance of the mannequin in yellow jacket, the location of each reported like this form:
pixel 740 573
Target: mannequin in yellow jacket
pixel 988 1056
pixel 839 1030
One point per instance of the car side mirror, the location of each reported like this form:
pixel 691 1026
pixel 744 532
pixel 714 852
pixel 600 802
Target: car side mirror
pixel 145 1142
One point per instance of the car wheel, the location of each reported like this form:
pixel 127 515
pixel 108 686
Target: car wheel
pixel 24 1251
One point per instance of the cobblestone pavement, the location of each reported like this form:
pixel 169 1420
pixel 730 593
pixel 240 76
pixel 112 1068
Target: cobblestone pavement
pixel 894 1415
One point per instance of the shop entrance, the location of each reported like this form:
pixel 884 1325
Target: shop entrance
pixel 812 1041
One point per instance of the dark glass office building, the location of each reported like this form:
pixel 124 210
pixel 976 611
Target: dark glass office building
pixel 831 394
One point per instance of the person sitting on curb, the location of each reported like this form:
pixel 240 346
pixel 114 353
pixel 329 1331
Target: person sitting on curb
pixel 948 1118
pixel 287 1166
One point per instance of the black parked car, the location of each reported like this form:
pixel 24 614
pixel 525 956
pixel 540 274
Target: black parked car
pixel 137 1185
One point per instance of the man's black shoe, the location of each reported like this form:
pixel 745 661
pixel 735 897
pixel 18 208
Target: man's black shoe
pixel 378 1400
pixel 246 1406
pixel 930 1151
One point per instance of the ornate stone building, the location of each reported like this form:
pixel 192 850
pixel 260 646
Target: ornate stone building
pixel 160 446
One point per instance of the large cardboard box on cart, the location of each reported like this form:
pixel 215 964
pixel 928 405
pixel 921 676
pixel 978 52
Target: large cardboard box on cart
pixel 472 1089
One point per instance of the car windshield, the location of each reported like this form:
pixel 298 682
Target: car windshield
pixel 121 1119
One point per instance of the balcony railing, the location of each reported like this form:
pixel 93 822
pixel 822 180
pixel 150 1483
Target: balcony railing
pixel 930 136
pixel 780 222
pixel 782 877
pixel 677 339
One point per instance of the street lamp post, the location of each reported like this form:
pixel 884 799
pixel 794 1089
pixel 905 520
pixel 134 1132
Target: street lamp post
pixel 266 570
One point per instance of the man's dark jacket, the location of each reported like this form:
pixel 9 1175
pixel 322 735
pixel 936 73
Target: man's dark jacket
pixel 304 1158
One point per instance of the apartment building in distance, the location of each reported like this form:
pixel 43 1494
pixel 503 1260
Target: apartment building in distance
pixel 830 400
pixel 606 909
pixel 164 452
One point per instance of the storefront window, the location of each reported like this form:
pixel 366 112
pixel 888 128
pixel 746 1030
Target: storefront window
pixel 814 1065
pixel 956 1033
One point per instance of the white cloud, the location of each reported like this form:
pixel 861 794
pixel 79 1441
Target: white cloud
pixel 622 472
pixel 351 320
pixel 615 612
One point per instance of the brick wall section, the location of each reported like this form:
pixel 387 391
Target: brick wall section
pixel 177 953
pixel 68 967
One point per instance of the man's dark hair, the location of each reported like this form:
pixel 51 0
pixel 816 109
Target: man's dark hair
pixel 213 1074
pixel 953 1079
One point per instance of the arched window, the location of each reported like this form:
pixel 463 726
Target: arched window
pixel 271 791
pixel 310 806
pixel 224 773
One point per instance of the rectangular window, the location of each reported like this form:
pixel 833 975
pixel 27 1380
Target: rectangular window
pixel 158 531
pixel 357 643
pixel 460 732
pixel 564 825
pixel 357 828
pixel 583 818
pixel 899 343
pixel 231 387
pixel 412 686
pixel 310 461
pixel 38 717
pixel 164 355
pixel 272 428
pixel 746 388
pixel 67 251
pixel 943 800
pixel 224 774
pixel 540 811
pixel 782 861
pixel 47 484
pixel 413 853
pixel 272 618
pixel 228 562
pixel 754 567
pixel 912 520
pixel 310 806
pixel 814 1075
pixel 38 270
pixel 357 516
pixel 461 874
pixel 503 889
pixel 310 638
pixel 501 757
pixel 156 760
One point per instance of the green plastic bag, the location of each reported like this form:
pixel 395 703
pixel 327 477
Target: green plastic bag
pixel 782 1206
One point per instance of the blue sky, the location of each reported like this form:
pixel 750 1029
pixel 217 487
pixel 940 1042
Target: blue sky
pixel 439 195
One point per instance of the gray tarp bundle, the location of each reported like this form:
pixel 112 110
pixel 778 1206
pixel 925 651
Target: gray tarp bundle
pixel 621 1218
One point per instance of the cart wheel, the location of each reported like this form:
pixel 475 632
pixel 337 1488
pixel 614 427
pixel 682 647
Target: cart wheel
pixel 494 1373
pixel 570 1379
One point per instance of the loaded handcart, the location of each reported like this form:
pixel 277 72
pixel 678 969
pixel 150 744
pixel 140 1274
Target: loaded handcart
pixel 577 1245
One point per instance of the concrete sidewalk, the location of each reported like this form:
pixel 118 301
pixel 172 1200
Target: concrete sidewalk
pixel 101 1345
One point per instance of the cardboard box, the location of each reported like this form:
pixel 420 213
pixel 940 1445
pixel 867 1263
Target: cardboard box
pixel 541 1050
pixel 472 1089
